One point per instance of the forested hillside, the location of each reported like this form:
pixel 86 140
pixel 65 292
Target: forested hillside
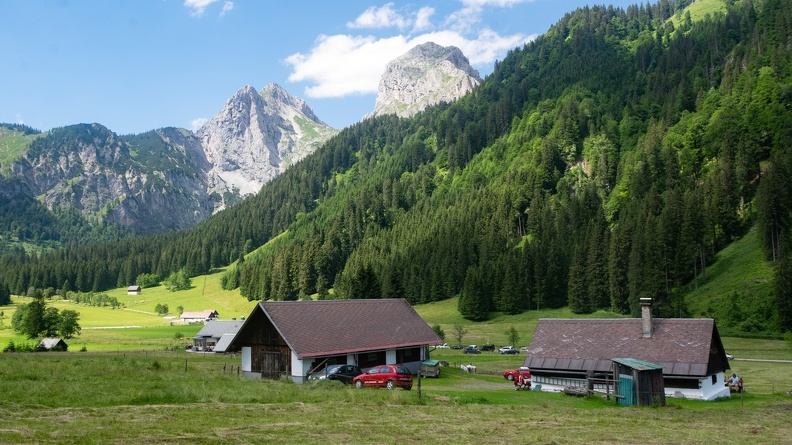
pixel 608 160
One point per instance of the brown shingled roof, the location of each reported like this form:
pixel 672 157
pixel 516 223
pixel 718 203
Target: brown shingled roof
pixel 681 346
pixel 329 327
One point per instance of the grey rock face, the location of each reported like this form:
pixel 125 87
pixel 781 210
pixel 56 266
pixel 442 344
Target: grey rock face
pixel 426 75
pixel 256 137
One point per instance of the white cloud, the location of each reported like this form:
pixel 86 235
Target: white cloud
pixel 382 17
pixel 196 124
pixel 227 7
pixel 198 7
pixel 341 65
pixel 422 19
pixel 498 3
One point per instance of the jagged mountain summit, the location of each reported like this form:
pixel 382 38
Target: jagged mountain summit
pixel 426 75
pixel 257 136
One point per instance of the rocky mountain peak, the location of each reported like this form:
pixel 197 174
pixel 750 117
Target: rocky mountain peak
pixel 426 75
pixel 256 137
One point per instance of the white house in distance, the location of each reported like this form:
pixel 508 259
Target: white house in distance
pixel 690 352
pixel 294 338
pixel 134 290
pixel 198 317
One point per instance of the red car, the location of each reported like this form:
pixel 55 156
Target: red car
pixel 388 376
pixel 512 374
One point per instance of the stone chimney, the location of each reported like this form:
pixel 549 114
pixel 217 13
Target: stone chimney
pixel 646 317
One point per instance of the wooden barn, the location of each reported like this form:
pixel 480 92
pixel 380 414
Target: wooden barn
pixel 295 338
pixel 564 352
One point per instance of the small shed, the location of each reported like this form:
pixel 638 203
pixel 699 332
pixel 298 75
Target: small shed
pixel 638 382
pixel 53 344
pixel 134 290
pixel 430 368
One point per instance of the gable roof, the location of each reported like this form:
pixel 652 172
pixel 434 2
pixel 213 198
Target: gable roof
pixel 216 328
pixel 133 288
pixel 332 327
pixel 49 343
pixel 224 342
pixel 684 347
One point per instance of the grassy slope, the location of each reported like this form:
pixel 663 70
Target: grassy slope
pixel 740 270
pixel 12 144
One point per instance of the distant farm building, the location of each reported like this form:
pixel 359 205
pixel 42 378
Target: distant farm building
pixel 198 317
pixel 295 338
pixel 216 335
pixel 134 290
pixel 564 353
pixel 53 344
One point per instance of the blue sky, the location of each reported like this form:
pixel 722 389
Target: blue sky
pixel 137 65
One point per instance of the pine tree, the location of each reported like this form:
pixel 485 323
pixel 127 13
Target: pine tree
pixel 473 302
pixel 5 294
pixel 577 292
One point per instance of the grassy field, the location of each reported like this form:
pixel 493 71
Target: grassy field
pixel 181 398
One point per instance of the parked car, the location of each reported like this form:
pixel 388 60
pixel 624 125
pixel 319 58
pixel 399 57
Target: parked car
pixel 342 373
pixel 387 376
pixel 488 347
pixel 729 356
pixel 456 346
pixel 512 374
pixel 472 349
pixel 508 350
pixel 443 346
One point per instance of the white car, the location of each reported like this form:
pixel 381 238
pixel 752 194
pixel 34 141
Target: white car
pixel 443 346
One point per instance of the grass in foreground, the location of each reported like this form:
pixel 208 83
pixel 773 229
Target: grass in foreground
pixel 104 398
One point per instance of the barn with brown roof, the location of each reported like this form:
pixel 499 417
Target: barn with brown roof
pixel 690 352
pixel 294 338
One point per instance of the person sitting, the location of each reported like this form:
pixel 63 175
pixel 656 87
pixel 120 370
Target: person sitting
pixel 735 383
pixel 521 382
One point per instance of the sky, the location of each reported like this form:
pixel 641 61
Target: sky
pixel 139 65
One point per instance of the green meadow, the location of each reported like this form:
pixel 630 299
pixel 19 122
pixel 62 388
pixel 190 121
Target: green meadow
pixel 163 397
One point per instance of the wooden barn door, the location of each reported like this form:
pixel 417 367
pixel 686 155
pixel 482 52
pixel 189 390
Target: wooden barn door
pixel 270 365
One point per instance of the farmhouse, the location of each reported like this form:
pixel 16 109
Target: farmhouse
pixel 53 344
pixel 134 290
pixel 198 317
pixel 294 338
pixel 216 335
pixel 689 351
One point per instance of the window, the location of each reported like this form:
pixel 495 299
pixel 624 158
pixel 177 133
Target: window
pixel 408 355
